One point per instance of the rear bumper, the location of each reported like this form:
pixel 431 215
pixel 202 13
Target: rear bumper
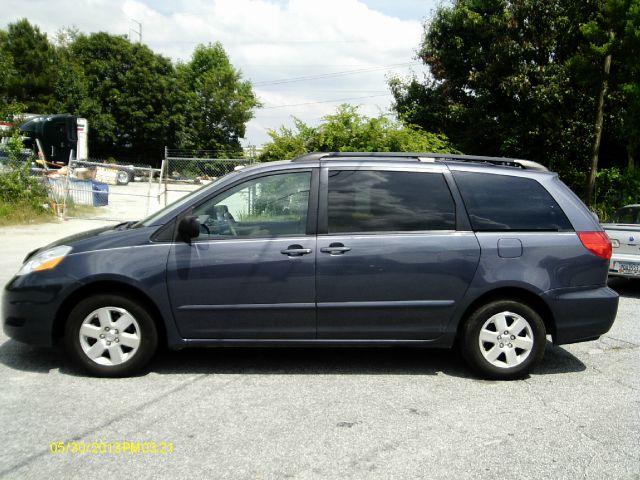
pixel 616 271
pixel 581 315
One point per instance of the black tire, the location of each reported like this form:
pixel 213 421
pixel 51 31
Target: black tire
pixel 512 361
pixel 123 177
pixel 112 308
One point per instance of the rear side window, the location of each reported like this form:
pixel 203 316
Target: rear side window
pixel 387 201
pixel 501 202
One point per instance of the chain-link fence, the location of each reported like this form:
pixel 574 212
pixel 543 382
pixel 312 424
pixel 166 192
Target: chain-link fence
pixel 92 189
pixel 24 159
pixel 116 191
pixel 187 170
pixel 24 183
pixel 106 190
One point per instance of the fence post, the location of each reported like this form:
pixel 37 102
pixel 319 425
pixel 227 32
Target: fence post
pixel 66 191
pixel 160 192
pixel 165 164
pixel 150 172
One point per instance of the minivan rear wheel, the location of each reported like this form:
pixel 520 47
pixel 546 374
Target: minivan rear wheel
pixel 110 335
pixel 503 339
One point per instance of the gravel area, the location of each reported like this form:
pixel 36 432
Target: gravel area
pixel 321 413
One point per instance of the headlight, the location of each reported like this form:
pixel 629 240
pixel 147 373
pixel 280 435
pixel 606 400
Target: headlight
pixel 45 260
pixel 615 243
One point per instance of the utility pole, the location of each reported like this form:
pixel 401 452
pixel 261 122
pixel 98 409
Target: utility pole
pixel 138 31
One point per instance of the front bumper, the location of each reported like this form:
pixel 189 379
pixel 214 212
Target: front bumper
pixel 29 309
pixel 581 314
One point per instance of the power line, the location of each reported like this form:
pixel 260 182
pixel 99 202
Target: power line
pixel 350 90
pixel 304 65
pixel 325 101
pixel 259 42
pixel 330 75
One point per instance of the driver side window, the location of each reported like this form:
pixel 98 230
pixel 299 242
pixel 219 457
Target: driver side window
pixel 269 206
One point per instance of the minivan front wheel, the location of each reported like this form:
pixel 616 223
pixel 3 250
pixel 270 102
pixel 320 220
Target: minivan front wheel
pixel 504 339
pixel 110 335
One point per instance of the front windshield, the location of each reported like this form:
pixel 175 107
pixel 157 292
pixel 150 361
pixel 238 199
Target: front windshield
pixel 629 215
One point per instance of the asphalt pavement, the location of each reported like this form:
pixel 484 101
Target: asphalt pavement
pixel 319 413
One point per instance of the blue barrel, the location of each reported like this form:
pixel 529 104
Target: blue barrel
pixel 100 193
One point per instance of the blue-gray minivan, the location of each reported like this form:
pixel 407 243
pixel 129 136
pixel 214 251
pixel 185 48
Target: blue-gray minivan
pixel 373 249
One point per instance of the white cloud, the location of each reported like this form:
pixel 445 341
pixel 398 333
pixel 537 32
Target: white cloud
pixel 267 40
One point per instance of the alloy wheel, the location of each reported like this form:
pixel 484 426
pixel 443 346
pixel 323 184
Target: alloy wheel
pixel 110 336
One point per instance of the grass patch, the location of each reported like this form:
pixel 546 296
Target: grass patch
pixel 87 211
pixel 23 213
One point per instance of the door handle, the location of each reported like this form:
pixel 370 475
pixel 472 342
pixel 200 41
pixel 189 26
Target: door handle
pixel 335 249
pixel 295 251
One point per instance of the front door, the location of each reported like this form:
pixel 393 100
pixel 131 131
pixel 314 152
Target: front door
pixel 250 274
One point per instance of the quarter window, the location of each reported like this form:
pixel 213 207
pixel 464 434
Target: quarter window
pixel 502 202
pixel 388 201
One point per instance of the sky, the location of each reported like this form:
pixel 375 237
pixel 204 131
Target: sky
pixel 304 57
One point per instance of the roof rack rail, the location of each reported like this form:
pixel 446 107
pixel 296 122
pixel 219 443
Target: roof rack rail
pixel 425 157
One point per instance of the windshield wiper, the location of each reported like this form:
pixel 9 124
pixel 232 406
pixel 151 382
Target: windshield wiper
pixel 125 225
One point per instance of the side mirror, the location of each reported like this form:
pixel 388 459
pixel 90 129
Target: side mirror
pixel 188 228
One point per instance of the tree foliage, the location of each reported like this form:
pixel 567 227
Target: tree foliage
pixel 347 130
pixel 6 69
pixel 521 78
pixel 136 100
pixel 32 61
pixel 128 92
pixel 614 30
pixel 219 103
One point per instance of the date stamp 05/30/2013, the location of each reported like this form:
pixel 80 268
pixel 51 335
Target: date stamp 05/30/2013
pixel 81 447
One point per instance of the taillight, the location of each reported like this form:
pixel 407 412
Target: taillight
pixel 597 243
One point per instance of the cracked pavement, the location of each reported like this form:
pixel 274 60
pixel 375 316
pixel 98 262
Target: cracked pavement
pixel 324 413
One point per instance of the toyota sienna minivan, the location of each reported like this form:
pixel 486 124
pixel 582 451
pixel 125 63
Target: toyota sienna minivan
pixel 349 249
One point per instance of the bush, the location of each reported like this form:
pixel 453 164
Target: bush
pixel 22 197
pixel 616 188
pixel 347 130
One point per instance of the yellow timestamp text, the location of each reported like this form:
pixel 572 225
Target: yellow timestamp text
pixel 81 447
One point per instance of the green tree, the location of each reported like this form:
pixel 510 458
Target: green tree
pixel 136 101
pixel 9 107
pixel 551 80
pixel 218 102
pixel 613 37
pixel 609 63
pixel 31 79
pixel 499 82
pixel 347 130
pixel 72 87
pixel 6 69
pixel 129 94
